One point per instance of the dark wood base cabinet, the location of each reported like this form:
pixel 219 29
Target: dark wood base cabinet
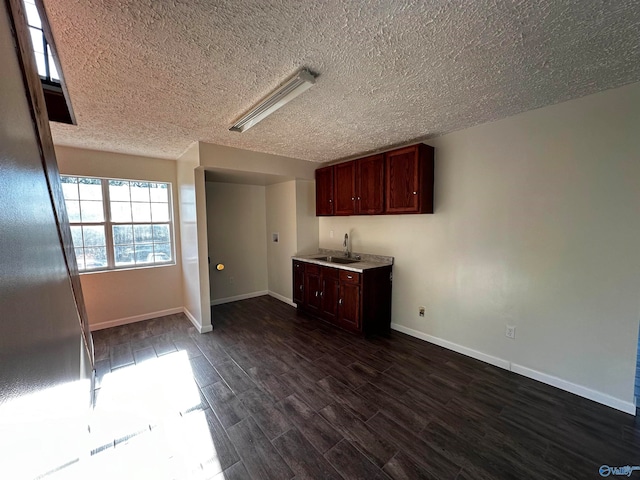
pixel 357 302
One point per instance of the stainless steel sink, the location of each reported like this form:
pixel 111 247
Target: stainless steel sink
pixel 341 260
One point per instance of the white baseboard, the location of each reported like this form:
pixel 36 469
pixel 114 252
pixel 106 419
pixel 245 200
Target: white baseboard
pixel 282 298
pixel 603 398
pixel 498 362
pixel 244 296
pixel 196 323
pixel 135 318
pixel 599 397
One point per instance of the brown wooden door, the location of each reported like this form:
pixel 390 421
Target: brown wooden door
pixel 349 307
pixel 330 290
pixel 312 289
pixel 370 185
pixel 324 191
pixel 298 283
pixel 402 181
pixel 345 181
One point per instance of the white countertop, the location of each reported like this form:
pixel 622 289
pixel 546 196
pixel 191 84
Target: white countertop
pixel 366 262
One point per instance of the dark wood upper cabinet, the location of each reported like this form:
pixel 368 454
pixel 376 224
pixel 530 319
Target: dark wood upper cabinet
pixel 370 185
pixel 409 180
pixel 345 188
pixel 324 191
pixel 395 182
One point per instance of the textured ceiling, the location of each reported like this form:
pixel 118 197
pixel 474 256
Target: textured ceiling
pixel 150 77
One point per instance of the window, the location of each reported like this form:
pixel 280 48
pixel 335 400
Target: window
pixel 44 58
pixel 119 223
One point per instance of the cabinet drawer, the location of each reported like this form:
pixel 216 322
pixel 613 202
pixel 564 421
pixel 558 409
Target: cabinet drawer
pixel 328 272
pixel 312 269
pixel 349 277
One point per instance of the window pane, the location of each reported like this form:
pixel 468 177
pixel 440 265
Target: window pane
pixel 160 212
pixel 91 210
pixel 95 257
pixel 142 234
pixel 122 234
pixel 119 190
pixel 90 189
pixel 53 71
pixel 94 236
pixel 33 17
pixel 161 233
pixel 42 66
pixel 159 192
pixel 80 258
pixel 144 254
pixel 139 192
pixel 124 255
pixel 162 252
pixel 120 212
pixel 36 40
pixel 141 211
pixel 76 235
pixel 69 188
pixel 73 210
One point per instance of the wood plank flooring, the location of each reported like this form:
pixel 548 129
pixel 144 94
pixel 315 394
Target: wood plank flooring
pixel 278 395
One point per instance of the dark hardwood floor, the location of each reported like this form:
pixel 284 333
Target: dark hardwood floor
pixel 280 395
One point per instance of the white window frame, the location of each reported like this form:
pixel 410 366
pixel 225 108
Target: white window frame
pixel 108 226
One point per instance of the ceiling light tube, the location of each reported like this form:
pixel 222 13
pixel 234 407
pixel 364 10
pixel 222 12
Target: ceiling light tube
pixel 300 82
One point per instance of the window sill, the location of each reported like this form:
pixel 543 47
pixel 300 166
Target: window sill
pixel 128 269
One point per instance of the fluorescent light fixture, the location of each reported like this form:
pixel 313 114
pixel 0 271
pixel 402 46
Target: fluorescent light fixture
pixel 301 81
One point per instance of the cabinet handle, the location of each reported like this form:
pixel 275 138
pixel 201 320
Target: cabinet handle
pixel 330 200
pixel 317 293
pixel 415 193
pixel 300 287
pixel 349 276
pixel 353 198
pixel 340 302
pixel 358 198
pixel 321 294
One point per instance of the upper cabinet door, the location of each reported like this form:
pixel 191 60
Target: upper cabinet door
pixel 345 180
pixel 409 181
pixel 370 185
pixel 324 191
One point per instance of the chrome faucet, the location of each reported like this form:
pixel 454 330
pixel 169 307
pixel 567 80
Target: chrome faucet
pixel 345 244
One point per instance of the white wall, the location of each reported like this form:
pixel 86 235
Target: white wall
pixel 537 225
pixel 306 220
pixel 122 296
pixel 229 158
pixel 193 225
pixel 237 232
pixel 281 218
pixel 297 227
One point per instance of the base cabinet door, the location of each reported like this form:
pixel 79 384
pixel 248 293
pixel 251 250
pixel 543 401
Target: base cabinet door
pixel 330 290
pixel 298 283
pixel 312 289
pixel 349 307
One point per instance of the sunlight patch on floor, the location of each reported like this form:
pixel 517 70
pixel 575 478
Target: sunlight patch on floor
pixel 148 422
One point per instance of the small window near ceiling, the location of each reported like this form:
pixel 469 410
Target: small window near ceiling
pixel 118 223
pixel 41 49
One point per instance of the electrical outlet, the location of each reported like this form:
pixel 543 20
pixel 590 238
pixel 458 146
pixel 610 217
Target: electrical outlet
pixel 510 331
pixel 421 311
